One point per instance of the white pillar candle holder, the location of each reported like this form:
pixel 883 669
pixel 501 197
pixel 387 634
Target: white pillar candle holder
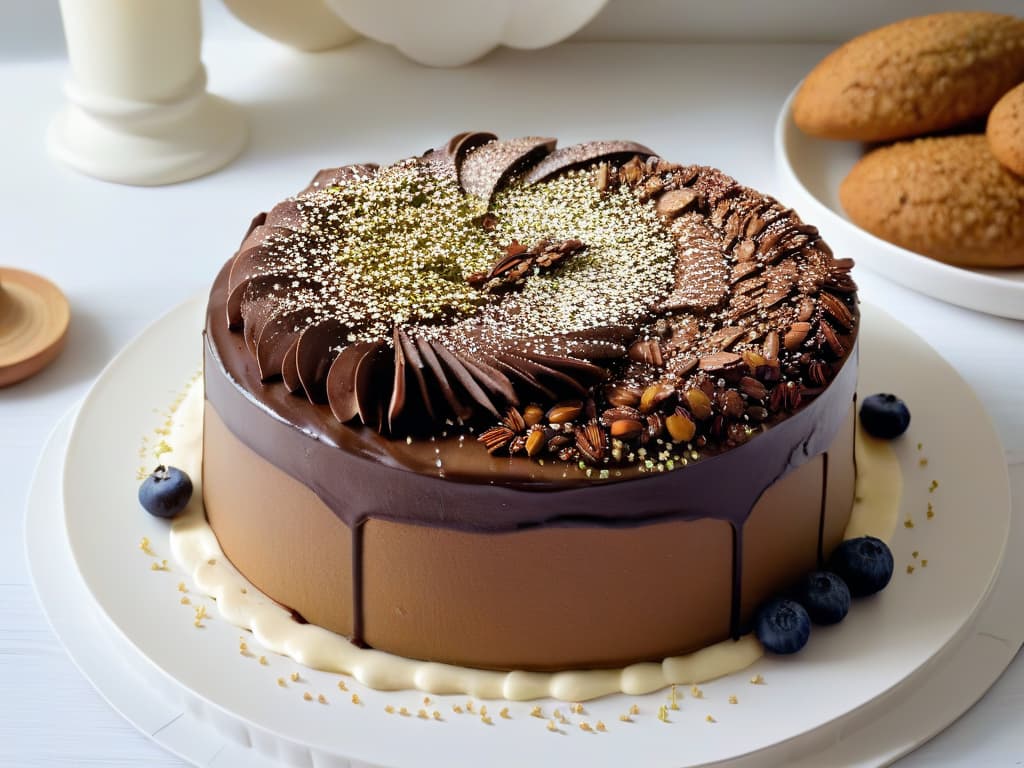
pixel 138 111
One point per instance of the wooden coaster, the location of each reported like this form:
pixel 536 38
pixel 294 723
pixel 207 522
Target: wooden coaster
pixel 34 319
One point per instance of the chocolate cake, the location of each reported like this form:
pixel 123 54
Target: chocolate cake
pixel 509 406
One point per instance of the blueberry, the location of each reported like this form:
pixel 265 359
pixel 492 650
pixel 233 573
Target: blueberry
pixel 825 596
pixel 782 626
pixel 884 416
pixel 865 564
pixel 165 492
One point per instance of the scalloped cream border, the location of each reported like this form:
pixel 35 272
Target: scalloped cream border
pixel 195 548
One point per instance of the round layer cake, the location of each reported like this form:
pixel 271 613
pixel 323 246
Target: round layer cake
pixel 509 406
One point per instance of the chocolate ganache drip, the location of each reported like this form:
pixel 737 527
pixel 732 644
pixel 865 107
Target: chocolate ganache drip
pixel 593 303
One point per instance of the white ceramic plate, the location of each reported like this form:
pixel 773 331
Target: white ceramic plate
pixel 846 679
pixel 810 171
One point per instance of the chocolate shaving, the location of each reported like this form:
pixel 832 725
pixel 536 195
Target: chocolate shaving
pixel 485 168
pixel 341 380
pixel 314 355
pixel 286 215
pixel 277 337
pixel 336 177
pixel 372 377
pixel 580 154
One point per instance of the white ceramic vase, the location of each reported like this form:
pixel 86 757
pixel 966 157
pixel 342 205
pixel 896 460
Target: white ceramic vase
pixel 449 33
pixel 308 25
pixel 138 111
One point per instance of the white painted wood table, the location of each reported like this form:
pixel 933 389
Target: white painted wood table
pixel 125 255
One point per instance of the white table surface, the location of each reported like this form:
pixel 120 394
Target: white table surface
pixel 126 255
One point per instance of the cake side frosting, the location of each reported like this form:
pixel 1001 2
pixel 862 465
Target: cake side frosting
pixel 196 549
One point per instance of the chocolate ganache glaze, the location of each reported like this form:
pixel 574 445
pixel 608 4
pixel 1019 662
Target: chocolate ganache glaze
pixel 498 335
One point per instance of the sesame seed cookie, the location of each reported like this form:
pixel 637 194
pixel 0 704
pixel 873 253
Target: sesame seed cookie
pixel 947 197
pixel 1006 130
pixel 916 76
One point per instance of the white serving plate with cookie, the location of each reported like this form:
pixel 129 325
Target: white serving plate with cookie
pixel 852 697
pixel 810 171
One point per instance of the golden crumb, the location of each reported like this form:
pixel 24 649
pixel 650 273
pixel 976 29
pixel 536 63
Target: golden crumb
pixel 536 712
pixel 469 705
pixel 504 713
pixel 437 715
pixel 263 661
pixel 281 682
pixel 696 692
pixel 483 710
pixel 585 726
pixel 389 709
pixel 924 563
pixel 576 708
pixel 356 699
pixel 486 720
pixel 403 711
pixel 934 484
pixel 161 566
pixel 757 680
pixel 601 726
pixel 342 686
pixel 552 726
pixel 426 701
pixel 144 545
pixel 321 698
pixel 663 713
pixel 733 700
pixel 923 462
pixel 920 446
pixel 211 561
pixel 244 591
pixel 182 587
pixel 634 709
pixel 914 554
pixel 243 646
pixel 307 696
pixel 456 709
pixel 626 718
pixel 910 569
pixel 673 699
pixel 710 719
pixel 908 523
pixel 185 601
pixel 931 511
pixel 295 677
pixel 422 715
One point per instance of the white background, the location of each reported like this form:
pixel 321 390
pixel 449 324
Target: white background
pixel 124 255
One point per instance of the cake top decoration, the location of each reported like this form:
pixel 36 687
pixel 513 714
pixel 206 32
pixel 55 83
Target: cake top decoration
pixel 581 302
